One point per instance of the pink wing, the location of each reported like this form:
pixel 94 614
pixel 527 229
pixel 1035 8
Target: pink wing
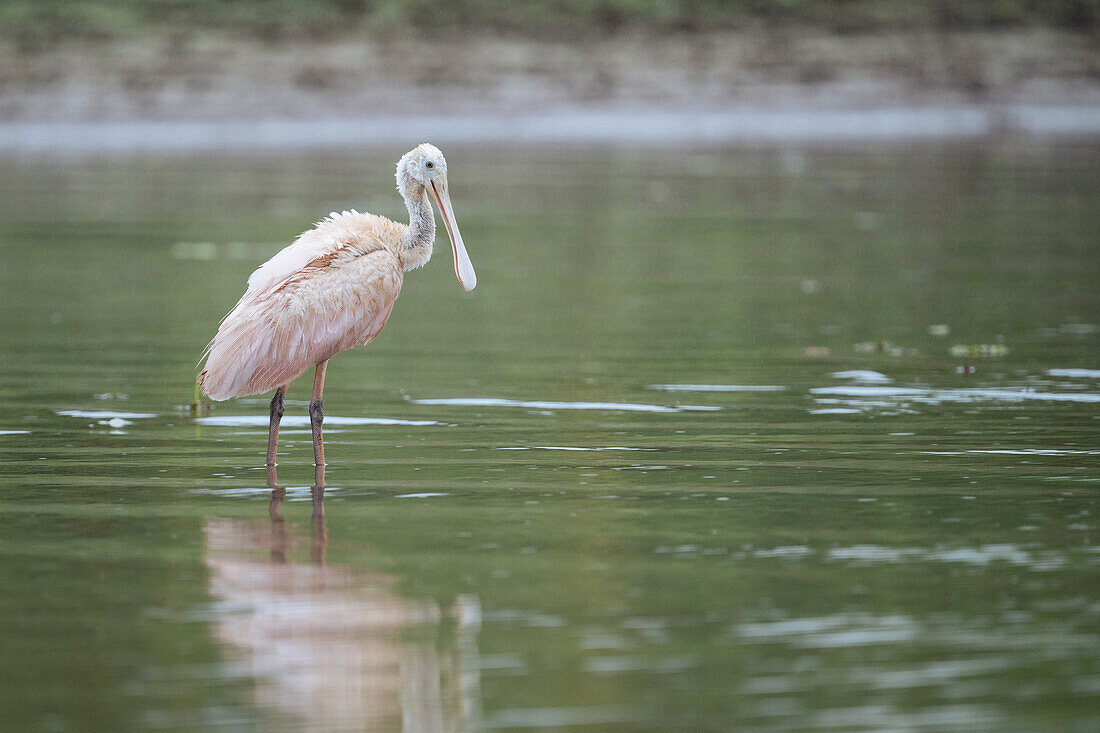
pixel 306 248
pixel 273 335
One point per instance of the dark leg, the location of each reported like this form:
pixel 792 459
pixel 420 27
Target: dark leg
pixel 273 429
pixel 317 414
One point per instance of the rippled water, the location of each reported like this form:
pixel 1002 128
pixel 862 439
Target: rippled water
pixel 769 439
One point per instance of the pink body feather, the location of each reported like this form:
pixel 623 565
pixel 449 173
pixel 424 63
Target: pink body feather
pixel 331 290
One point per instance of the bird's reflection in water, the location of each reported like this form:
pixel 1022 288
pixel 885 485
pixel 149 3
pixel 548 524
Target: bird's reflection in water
pixel 333 647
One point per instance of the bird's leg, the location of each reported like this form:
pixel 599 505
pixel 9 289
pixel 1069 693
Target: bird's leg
pixel 273 429
pixel 317 414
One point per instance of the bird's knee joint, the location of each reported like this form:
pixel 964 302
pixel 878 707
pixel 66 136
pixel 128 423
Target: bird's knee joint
pixel 316 412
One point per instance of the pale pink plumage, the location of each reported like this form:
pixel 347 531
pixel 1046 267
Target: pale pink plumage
pixel 331 290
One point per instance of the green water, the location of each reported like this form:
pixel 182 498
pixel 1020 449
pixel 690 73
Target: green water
pixel 575 540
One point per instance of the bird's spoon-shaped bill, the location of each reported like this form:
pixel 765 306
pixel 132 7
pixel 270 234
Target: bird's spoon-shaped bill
pixel 463 267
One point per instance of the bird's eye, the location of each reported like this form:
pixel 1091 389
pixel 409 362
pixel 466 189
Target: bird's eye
pixel 429 165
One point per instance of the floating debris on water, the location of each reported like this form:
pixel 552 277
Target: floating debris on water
pixel 198 407
pixel 982 351
pixel 884 347
pixel 939 330
pixel 116 422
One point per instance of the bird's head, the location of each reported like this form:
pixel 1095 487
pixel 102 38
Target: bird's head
pixel 425 167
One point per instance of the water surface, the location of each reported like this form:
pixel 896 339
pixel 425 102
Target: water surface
pixel 741 439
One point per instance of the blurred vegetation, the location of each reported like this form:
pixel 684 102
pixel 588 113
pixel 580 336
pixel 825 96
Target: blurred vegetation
pixel 50 20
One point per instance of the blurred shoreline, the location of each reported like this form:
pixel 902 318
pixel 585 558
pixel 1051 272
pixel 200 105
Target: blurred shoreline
pixel 207 90
pixel 642 127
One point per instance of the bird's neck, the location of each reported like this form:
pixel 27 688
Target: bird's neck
pixel 420 236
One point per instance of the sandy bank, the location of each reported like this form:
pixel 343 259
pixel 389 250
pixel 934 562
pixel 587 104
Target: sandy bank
pixel 695 87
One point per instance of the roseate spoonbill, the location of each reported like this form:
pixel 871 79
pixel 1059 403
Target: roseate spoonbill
pixel 330 290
